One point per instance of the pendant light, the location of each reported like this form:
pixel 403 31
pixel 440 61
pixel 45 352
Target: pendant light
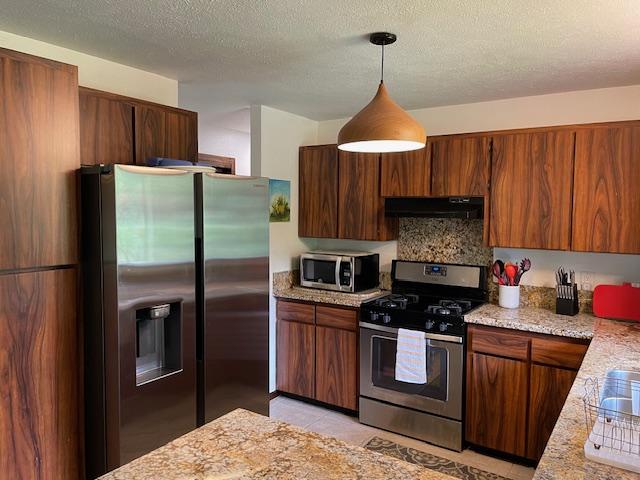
pixel 382 126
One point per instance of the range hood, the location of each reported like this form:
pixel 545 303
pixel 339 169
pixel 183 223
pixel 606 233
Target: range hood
pixel 440 207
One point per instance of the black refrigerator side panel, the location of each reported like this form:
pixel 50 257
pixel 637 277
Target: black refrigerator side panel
pixel 94 381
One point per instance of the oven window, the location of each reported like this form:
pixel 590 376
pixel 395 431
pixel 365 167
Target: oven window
pixel 321 271
pixel 383 367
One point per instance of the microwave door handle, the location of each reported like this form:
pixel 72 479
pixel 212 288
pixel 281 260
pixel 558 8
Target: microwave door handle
pixel 338 261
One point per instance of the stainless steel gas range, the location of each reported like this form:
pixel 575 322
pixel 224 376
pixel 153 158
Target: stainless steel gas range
pixel 431 298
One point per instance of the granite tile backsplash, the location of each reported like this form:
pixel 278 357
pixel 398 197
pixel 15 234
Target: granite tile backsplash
pixel 443 240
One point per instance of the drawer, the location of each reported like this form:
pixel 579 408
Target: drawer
pixel 497 341
pixel 337 317
pixel 567 353
pixel 295 312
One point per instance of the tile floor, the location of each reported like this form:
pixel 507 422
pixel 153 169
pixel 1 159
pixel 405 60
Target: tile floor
pixel 344 427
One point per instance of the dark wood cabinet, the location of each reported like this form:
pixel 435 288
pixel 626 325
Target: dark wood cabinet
pixel 460 166
pixel 336 367
pixel 39 154
pixel 606 196
pixel 549 389
pixel 517 383
pixel 295 369
pixel 360 206
pixel 40 403
pixel 119 129
pixel 106 130
pixel 497 403
pixel 406 174
pixel 181 136
pixel 531 190
pixel 316 352
pixel 318 194
pixel 150 133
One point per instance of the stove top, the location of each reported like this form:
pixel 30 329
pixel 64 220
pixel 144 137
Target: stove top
pixel 419 312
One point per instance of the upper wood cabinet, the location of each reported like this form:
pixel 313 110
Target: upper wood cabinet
pixel 606 194
pixel 460 166
pixel 360 206
pixel 318 195
pixel 531 190
pixel 106 130
pixel 150 133
pixel 181 132
pixel 406 174
pixel 118 129
pixel 39 154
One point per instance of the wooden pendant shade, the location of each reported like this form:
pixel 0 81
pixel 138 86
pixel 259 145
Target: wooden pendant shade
pixel 382 126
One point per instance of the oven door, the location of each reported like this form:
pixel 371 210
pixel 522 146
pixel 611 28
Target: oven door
pixel 441 395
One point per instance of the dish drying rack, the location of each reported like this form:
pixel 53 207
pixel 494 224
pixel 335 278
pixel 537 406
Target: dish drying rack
pixel 612 408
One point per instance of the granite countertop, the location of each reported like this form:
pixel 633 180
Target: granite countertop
pixel 537 320
pixel 614 345
pixel 327 296
pixel 245 445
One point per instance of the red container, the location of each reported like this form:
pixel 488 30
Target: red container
pixel 621 302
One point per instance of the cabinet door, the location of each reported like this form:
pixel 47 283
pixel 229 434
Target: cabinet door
pixel 549 389
pixel 39 398
pixel 295 358
pixel 406 174
pixel 497 403
pixel 150 133
pixel 318 174
pixel 360 206
pixel 39 155
pixel 531 190
pixel 606 196
pixel 336 367
pixel 460 166
pixel 181 135
pixel 106 130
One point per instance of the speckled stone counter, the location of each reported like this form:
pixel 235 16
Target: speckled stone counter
pixel 537 320
pixel 245 445
pixel 614 345
pixel 284 287
pixel 326 296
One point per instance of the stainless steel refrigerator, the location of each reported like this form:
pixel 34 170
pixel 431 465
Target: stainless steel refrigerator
pixel 175 293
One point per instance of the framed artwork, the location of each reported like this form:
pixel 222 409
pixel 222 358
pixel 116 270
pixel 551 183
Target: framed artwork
pixel 280 200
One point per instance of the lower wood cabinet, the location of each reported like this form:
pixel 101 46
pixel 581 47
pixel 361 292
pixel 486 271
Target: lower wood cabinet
pixel 295 365
pixel 317 352
pixel 496 416
pixel 548 390
pixel 517 384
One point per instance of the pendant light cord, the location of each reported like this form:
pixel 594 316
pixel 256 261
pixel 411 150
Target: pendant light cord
pixel 382 66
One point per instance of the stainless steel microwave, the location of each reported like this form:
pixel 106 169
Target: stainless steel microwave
pixel 341 271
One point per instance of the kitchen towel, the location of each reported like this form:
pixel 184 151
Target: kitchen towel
pixel 411 357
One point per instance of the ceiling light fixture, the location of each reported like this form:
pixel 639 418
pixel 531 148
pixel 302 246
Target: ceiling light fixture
pixel 382 126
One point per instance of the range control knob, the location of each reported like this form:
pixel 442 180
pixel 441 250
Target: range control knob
pixel 386 318
pixel 429 324
pixel 444 327
pixel 374 316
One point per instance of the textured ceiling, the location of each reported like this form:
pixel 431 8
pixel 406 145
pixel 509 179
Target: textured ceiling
pixel 311 57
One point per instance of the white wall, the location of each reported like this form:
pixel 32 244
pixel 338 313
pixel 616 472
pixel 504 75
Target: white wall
pixel 227 135
pixel 587 106
pixel 275 138
pixel 94 72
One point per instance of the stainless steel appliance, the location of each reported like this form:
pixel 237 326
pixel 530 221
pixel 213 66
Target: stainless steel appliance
pixel 175 294
pixel 431 298
pixel 343 271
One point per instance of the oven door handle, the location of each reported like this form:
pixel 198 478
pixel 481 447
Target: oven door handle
pixel 431 336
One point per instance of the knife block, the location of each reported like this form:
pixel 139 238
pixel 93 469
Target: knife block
pixel 568 306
